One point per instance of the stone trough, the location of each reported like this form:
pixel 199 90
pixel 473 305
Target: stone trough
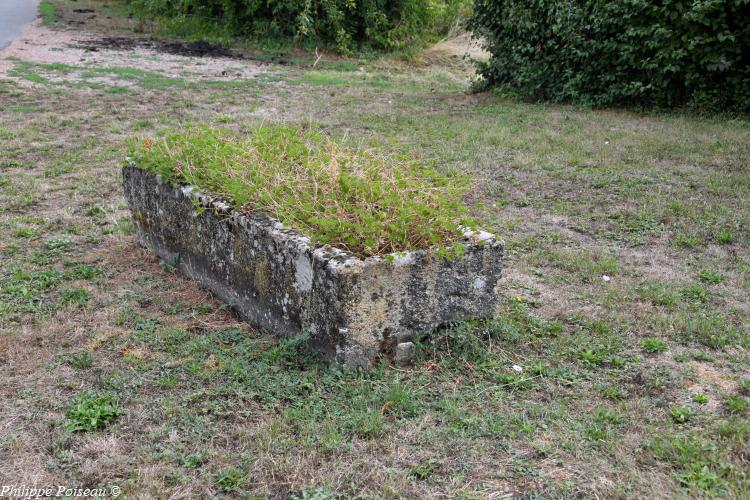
pixel 353 310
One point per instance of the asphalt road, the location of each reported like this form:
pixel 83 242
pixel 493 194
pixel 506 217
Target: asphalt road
pixel 14 14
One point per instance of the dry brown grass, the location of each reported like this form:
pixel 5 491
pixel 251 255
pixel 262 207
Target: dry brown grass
pixel 546 180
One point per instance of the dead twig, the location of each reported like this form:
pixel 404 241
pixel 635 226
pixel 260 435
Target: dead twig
pixel 318 57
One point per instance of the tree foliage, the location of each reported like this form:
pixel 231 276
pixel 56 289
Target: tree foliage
pixel 345 24
pixel 625 52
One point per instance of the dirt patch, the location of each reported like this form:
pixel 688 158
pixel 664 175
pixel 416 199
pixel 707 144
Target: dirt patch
pixel 185 49
pixel 35 43
pixel 459 48
pixel 82 51
pixel 707 373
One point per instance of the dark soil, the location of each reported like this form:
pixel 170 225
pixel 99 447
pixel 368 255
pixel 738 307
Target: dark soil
pixel 189 49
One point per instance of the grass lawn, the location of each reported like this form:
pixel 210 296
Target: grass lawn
pixel 617 365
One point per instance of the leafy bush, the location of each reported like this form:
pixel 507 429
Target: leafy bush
pixel 626 52
pixel 345 24
pixel 353 198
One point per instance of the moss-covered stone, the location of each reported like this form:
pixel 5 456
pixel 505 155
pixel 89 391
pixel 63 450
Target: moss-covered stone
pixel 353 309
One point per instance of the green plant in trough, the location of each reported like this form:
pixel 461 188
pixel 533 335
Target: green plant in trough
pixel 357 199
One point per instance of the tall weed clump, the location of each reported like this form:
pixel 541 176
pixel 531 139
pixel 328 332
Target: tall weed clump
pixel 357 199
pixel 626 52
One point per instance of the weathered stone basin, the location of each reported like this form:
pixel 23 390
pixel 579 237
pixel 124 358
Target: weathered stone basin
pixel 353 309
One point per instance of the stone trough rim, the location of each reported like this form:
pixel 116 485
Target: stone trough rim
pixel 335 255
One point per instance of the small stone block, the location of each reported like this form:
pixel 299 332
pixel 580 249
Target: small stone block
pixel 404 354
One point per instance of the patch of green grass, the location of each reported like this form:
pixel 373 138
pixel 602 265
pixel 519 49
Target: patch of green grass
pixel 659 294
pixel 25 109
pixel 604 422
pixel 117 90
pixel 142 124
pixel 724 237
pixel 356 199
pixel 66 75
pixel 376 80
pixel 38 73
pixel 736 404
pixel 89 410
pixel 27 290
pixel 124 226
pixel 85 272
pixel 47 12
pixel 701 399
pixel 686 240
pixel 424 469
pixel 230 480
pixel 632 228
pixel 59 168
pixel 680 414
pixel 699 466
pixel 614 393
pixel 78 296
pixel 5 88
pixel 167 382
pixel 606 416
pixel 144 78
pixel 595 357
pixel 711 330
pixel 79 360
pixel 652 345
pixel 27 233
pixel 695 293
pixel 193 460
pixel 585 265
pixel 58 243
pixel 703 356
pixel 702 479
pixel 710 276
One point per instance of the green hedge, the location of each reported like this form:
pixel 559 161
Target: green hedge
pixel 344 24
pixel 624 52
